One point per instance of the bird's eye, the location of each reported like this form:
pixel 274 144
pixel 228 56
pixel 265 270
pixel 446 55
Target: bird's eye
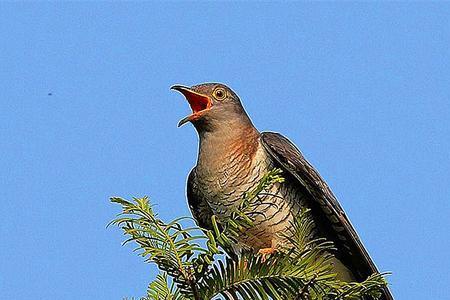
pixel 219 94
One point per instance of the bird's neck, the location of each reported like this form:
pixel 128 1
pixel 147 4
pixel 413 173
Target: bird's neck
pixel 225 146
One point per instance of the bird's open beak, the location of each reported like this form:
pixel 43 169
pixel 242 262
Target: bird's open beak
pixel 197 101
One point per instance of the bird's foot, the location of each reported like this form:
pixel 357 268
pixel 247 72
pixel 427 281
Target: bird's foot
pixel 266 251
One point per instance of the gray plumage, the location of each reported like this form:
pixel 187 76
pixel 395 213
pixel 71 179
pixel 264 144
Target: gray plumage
pixel 233 156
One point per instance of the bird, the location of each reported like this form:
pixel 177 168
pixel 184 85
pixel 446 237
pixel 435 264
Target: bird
pixel 232 158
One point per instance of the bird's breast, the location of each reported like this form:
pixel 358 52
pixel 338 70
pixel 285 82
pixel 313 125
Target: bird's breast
pixel 223 179
pixel 222 183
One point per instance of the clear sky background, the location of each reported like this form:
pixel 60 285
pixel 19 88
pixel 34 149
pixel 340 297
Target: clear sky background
pixel 362 89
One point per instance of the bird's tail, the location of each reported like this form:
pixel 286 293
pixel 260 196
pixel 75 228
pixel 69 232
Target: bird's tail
pixel 386 294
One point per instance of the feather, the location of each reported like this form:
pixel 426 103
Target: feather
pixel 350 249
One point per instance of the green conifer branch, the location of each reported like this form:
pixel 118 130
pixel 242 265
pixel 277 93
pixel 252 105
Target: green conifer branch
pixel 201 264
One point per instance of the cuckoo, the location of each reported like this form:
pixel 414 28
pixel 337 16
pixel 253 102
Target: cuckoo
pixel 233 156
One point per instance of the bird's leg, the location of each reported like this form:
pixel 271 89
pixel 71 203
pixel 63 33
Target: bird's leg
pixel 266 251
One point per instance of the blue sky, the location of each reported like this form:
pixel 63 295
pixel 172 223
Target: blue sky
pixel 362 89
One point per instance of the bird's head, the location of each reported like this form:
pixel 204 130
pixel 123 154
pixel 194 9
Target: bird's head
pixel 213 105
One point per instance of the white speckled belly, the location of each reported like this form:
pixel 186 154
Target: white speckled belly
pixel 272 211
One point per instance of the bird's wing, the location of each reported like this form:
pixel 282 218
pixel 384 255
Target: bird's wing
pixel 199 207
pixel 351 251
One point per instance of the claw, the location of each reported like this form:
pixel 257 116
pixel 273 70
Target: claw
pixel 266 251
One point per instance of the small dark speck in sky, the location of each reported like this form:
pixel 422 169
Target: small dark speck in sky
pixel 49 94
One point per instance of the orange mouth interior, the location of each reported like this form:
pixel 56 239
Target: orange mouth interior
pixel 198 102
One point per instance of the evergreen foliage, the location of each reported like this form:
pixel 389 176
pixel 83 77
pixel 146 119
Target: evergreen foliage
pixel 200 264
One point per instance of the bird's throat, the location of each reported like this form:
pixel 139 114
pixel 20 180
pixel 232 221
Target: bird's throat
pixel 219 151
